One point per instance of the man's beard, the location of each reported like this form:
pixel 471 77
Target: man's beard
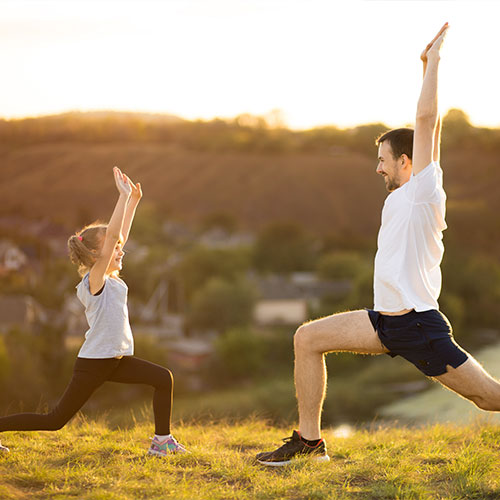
pixel 391 184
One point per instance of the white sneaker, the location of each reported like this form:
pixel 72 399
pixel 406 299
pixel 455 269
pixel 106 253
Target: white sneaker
pixel 166 447
pixel 4 449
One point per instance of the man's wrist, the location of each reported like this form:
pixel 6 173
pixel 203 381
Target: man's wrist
pixel 433 57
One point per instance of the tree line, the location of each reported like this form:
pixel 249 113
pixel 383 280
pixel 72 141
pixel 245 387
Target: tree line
pixel 246 132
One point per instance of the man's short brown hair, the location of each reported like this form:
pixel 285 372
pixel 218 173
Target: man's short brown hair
pixel 401 141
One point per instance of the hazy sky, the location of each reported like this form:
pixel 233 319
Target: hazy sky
pixel 318 61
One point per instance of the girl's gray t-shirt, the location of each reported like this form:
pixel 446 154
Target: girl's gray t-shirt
pixel 109 334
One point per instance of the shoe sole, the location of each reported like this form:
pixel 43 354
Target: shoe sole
pixel 322 458
pixel 157 454
pixel 169 454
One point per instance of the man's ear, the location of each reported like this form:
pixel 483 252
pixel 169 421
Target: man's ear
pixel 405 161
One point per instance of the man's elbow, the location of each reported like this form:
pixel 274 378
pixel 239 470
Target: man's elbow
pixel 426 118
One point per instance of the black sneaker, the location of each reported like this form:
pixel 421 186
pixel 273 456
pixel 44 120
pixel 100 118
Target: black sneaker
pixel 294 447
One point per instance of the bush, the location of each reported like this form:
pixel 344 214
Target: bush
pixel 221 304
pixel 240 353
pixel 199 265
pixel 4 362
pixel 342 265
pixel 284 247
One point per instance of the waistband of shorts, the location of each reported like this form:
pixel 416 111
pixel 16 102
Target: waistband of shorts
pixel 378 319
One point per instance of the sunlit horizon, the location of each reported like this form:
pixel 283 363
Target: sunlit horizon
pixel 317 62
pixel 269 119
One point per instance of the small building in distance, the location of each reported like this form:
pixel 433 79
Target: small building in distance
pixel 285 300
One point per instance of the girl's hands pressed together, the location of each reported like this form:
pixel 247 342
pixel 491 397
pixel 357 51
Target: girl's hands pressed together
pixel 122 182
pixel 136 189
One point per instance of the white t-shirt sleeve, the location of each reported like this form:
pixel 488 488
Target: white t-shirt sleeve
pixel 425 187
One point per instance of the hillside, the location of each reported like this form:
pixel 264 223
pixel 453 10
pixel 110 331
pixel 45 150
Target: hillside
pixel 61 181
pixel 58 167
pixel 71 183
pixel 88 460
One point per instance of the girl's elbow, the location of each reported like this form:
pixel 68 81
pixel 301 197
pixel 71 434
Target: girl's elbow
pixel 113 235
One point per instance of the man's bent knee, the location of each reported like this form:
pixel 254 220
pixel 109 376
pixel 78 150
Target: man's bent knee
pixel 485 403
pixel 302 337
pixel 307 335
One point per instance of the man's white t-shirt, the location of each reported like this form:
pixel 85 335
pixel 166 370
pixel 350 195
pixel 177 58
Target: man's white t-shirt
pixel 410 244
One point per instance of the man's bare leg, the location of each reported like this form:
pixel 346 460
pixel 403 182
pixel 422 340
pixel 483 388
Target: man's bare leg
pixel 471 381
pixel 349 331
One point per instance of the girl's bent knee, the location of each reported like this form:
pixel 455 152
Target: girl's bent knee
pixel 166 379
pixel 55 422
pixel 57 426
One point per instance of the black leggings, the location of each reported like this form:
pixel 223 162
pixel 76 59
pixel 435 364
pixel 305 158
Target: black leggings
pixel 88 375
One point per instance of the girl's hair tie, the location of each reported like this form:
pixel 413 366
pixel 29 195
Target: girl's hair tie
pixel 80 238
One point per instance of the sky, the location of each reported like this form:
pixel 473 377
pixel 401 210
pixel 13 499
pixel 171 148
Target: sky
pixel 319 62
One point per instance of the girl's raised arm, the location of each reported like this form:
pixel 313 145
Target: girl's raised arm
pixel 113 235
pixel 134 200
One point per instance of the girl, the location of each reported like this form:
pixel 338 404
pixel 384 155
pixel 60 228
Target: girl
pixel 107 353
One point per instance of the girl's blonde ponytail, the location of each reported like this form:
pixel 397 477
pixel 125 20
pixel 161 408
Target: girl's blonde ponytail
pixel 85 245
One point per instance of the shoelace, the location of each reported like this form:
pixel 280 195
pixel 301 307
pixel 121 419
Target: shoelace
pixel 288 443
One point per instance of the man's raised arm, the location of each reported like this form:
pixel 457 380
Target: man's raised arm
pixel 428 125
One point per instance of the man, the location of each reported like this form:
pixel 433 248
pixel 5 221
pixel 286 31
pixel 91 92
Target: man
pixel 405 320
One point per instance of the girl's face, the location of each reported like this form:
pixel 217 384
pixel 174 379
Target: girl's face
pixel 116 261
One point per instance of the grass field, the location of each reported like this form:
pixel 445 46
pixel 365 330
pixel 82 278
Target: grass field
pixel 89 460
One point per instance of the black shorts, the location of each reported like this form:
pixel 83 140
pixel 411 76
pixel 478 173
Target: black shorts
pixel 423 338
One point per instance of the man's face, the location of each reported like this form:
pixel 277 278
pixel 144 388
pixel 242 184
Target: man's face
pixel 389 167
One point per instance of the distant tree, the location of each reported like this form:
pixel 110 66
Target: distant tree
pixel 456 121
pixel 144 268
pixel 348 240
pixel 220 220
pixel 284 247
pixel 362 292
pixel 342 265
pixel 247 120
pixel 5 362
pixel 478 285
pixel 362 138
pixel 241 353
pixel 321 138
pixel 201 264
pixel 454 307
pixel 457 130
pixel 148 225
pixel 58 281
pixel 221 304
